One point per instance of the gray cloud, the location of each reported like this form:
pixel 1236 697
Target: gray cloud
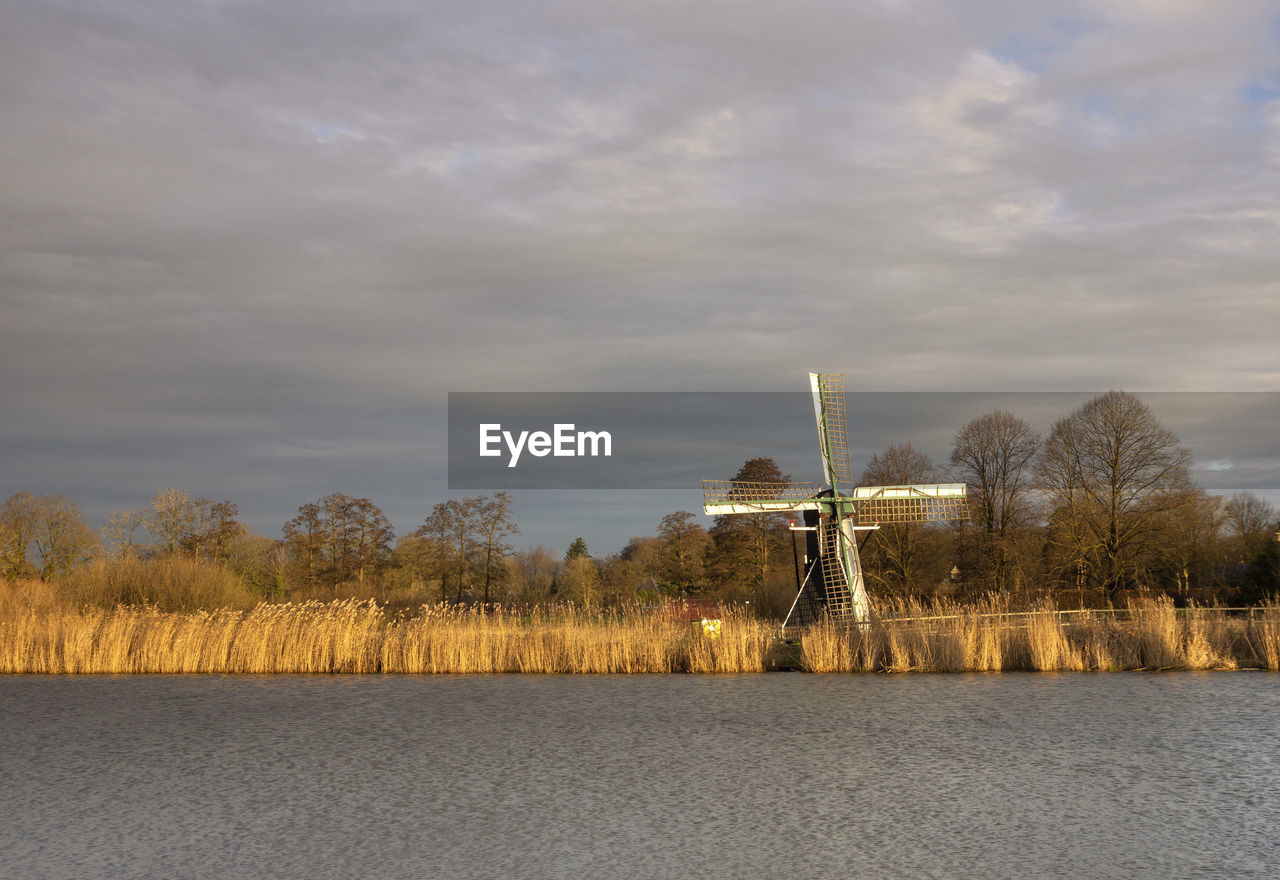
pixel 248 249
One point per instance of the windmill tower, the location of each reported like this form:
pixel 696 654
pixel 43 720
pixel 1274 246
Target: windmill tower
pixel 835 514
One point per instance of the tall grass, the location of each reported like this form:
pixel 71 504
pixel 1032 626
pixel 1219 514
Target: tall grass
pixel 41 632
pixel 359 637
pixel 1150 634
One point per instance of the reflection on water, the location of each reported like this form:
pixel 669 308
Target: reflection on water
pixel 784 775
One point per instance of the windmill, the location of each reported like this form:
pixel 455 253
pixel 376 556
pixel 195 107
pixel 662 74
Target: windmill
pixel 834 515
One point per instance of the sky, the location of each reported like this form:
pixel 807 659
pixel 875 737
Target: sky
pixel 248 249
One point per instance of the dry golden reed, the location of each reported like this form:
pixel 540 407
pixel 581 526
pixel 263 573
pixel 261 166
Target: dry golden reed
pixel 40 632
pixel 358 637
pixel 1150 634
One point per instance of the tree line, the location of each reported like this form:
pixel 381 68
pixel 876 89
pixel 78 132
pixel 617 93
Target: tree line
pixel 1102 505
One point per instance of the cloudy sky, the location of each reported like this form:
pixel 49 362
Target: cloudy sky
pixel 248 248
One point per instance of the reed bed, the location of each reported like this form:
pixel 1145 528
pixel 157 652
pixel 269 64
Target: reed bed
pixel 1149 634
pixel 39 634
pixel 359 637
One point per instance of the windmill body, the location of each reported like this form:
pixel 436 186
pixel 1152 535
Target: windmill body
pixel 835 514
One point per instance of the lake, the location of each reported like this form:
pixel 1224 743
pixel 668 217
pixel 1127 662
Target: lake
pixel 777 775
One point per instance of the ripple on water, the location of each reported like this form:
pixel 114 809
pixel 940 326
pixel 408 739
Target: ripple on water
pixel 1125 775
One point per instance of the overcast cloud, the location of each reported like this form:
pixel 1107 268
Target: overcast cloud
pixel 247 249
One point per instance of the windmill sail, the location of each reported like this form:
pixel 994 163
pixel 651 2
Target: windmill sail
pixel 740 496
pixel 940 502
pixel 833 434
pixel 833 587
pixel 840 598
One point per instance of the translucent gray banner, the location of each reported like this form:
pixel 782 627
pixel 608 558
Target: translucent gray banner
pixel 673 440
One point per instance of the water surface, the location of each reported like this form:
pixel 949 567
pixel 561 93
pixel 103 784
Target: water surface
pixel 785 775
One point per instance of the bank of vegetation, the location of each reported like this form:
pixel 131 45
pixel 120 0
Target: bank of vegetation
pixel 1148 634
pixel 361 636
pixel 1100 516
pixel 39 633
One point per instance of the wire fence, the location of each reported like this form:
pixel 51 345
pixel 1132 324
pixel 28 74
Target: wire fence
pixel 1115 613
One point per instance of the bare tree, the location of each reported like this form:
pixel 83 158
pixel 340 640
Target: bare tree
pixel 462 519
pixel 172 520
pixel 304 536
pixel 994 454
pixel 62 537
pixel 178 523
pixel 1190 541
pixel 369 535
pixel 214 528
pixel 339 538
pixel 436 529
pixel 493 518
pixel 121 530
pixel 1111 471
pixel 897 551
pixel 259 561
pixel 48 527
pixel 455 529
pixel 532 572
pixel 1252 522
pixel 19 519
